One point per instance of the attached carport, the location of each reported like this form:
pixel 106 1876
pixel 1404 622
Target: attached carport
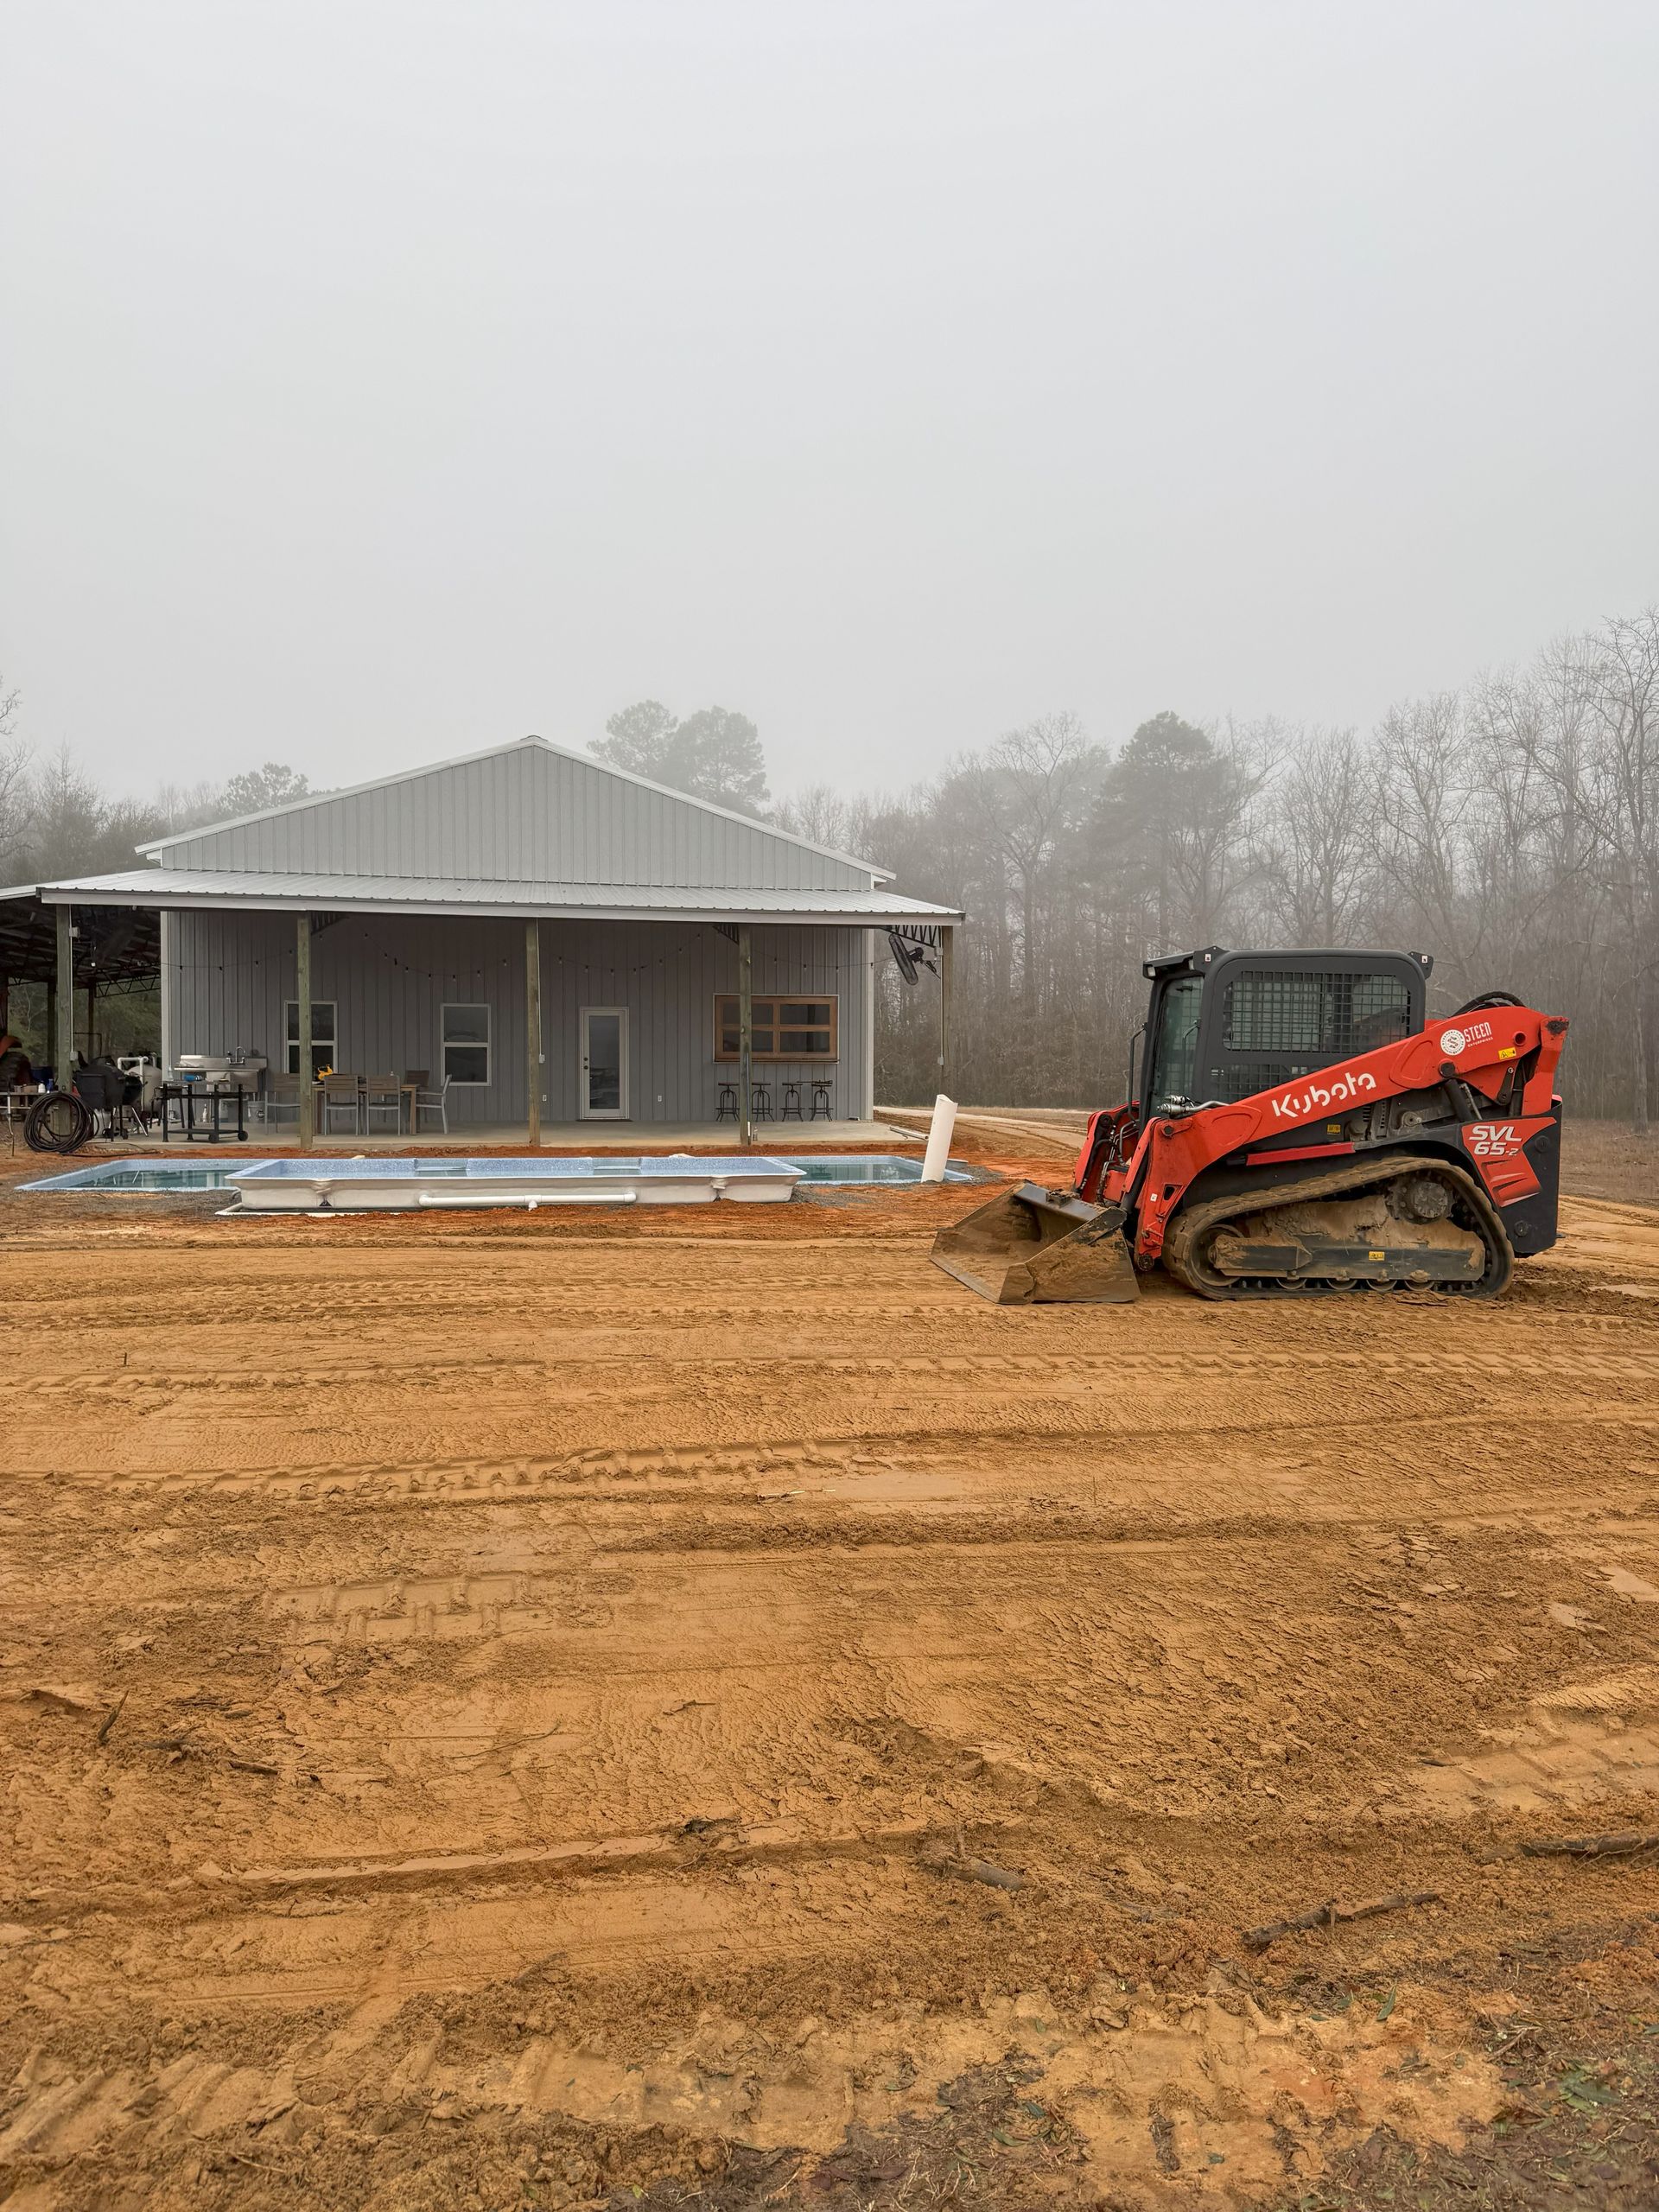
pixel 100 950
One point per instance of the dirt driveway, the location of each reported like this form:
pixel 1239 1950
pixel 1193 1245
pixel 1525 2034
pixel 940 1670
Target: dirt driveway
pixel 708 1711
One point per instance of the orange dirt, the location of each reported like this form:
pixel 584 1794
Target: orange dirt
pixel 504 1713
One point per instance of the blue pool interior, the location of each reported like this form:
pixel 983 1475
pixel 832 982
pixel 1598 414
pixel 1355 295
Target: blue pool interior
pixel 880 1167
pixel 199 1175
pixel 142 1175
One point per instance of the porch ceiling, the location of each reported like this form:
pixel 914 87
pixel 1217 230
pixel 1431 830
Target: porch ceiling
pixel 115 942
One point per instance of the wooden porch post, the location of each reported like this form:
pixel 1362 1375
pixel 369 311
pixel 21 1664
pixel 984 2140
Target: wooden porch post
pixel 947 951
pixel 307 1117
pixel 533 1026
pixel 63 1056
pixel 745 1033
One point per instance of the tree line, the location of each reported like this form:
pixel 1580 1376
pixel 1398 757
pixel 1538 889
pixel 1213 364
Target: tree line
pixel 1510 828
pixel 55 820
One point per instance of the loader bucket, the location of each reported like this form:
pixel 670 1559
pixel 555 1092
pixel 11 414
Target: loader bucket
pixel 1038 1247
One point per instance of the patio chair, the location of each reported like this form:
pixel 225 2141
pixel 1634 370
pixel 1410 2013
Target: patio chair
pixel 339 1095
pixel 382 1095
pixel 280 1095
pixel 434 1102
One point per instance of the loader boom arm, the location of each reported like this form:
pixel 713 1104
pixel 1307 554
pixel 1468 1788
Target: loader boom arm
pixel 1475 1056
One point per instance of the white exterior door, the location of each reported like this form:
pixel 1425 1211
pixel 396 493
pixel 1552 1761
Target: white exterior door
pixel 603 1088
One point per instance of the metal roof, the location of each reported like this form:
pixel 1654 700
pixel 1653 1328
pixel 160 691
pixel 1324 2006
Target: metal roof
pixel 113 944
pixel 278 891
pixel 311 802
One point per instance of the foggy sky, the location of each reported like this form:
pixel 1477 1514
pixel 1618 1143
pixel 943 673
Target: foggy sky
pixel 384 379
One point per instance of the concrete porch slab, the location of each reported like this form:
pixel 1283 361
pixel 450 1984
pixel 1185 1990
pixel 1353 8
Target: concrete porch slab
pixel 278 1137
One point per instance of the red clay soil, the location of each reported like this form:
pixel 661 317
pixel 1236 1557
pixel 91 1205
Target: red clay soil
pixel 690 1705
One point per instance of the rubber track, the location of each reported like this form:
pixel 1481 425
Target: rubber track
pixel 1191 1226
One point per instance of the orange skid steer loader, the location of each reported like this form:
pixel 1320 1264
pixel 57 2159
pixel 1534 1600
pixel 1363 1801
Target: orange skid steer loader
pixel 1299 1128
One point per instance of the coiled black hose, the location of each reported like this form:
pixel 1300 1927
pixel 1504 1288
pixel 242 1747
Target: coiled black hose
pixel 57 1122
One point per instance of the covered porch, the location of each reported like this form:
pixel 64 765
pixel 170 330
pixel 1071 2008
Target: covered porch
pixel 609 1027
pixel 74 963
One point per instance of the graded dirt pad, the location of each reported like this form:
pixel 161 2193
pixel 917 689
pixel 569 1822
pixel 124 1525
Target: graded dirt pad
pixel 703 1710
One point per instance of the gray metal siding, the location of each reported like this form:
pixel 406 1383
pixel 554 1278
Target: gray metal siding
pixel 523 815
pixel 229 974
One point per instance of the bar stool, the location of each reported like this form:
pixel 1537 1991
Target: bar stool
pixel 727 1108
pixel 821 1099
pixel 791 1104
pixel 760 1102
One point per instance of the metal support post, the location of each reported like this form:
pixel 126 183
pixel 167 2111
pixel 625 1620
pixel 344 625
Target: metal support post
pixel 63 1042
pixel 947 959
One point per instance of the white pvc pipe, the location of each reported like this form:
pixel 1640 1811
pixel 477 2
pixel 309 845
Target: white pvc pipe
pixel 940 1131
pixel 531 1199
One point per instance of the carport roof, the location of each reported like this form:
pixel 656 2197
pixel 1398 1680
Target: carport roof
pixel 115 942
pixel 252 890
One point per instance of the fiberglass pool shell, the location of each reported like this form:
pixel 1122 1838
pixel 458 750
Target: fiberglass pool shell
pixel 363 1186
pixel 333 1184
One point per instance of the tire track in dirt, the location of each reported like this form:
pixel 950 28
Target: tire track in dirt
pixel 752 1574
pixel 907 1467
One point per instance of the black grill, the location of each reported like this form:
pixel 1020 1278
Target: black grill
pixel 1326 1016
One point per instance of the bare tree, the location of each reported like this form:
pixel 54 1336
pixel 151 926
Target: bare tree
pixel 1318 876
pixel 15 800
pixel 1626 698
pixel 1032 789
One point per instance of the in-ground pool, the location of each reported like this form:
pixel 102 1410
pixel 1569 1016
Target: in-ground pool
pixel 880 1167
pixel 887 1167
pixel 147 1175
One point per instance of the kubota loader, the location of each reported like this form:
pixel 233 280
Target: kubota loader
pixel 1297 1129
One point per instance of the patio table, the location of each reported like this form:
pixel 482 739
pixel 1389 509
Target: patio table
pixel 405 1112
pixel 189 1098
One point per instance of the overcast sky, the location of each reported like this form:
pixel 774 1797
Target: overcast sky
pixel 386 379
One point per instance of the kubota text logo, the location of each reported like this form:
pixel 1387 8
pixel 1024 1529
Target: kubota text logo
pixel 1318 1099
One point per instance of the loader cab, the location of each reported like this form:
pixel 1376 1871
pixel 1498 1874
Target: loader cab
pixel 1222 1026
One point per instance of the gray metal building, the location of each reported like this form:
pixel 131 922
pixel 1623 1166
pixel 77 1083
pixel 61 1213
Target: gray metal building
pixel 458 917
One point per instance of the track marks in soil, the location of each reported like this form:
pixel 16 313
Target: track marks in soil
pixel 649 1634
pixel 518 1602
pixel 1579 1744
pixel 1232 2098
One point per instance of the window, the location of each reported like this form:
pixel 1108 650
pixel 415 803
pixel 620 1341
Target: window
pixel 467 1044
pixel 780 1029
pixel 1289 1010
pixel 1176 1043
pixel 323 1035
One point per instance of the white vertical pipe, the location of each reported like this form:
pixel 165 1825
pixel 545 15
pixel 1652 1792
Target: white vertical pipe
pixel 940 1131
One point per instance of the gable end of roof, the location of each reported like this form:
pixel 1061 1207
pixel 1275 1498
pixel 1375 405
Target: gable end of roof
pixel 154 849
